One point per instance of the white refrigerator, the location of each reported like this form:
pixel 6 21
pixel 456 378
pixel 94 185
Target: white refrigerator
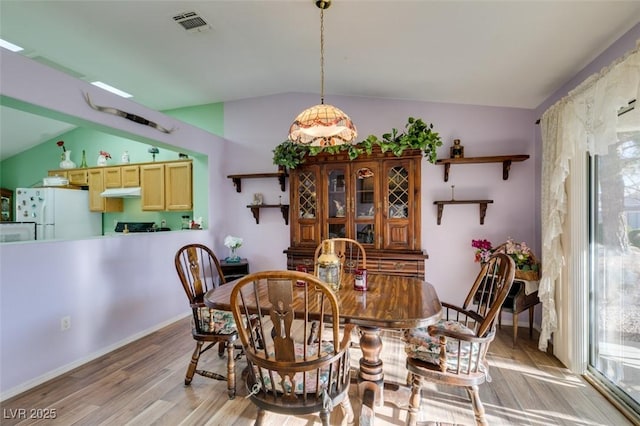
pixel 59 213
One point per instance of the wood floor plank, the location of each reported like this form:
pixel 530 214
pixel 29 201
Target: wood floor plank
pixel 142 383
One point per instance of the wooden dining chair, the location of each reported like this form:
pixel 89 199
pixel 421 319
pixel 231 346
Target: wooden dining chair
pixel 350 252
pixel 453 351
pixel 288 373
pixel 199 271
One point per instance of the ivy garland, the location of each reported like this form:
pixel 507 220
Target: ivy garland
pixel 417 135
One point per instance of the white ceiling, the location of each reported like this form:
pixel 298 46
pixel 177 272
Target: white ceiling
pixel 502 53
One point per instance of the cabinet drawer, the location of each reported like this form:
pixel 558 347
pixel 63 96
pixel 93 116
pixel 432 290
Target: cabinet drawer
pixel 404 267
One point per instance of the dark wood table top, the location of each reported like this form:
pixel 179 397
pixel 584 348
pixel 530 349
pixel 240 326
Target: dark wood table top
pixel 392 302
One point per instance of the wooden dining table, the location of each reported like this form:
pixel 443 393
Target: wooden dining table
pixel 390 302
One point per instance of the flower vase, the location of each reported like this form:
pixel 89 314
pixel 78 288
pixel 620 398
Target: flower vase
pixel 102 160
pixel 234 258
pixel 67 163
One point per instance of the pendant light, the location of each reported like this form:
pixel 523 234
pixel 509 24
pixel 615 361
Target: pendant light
pixel 322 125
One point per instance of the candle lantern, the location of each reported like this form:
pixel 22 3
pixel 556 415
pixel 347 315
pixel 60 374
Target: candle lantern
pixel 328 266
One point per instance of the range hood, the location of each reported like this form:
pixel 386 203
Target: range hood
pixel 121 193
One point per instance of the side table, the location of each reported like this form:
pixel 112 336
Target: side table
pixel 233 271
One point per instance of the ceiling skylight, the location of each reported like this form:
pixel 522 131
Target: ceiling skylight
pixel 12 47
pixel 111 89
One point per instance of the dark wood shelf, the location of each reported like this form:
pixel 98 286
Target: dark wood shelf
pixel 280 175
pixel 255 209
pixel 506 161
pixel 483 207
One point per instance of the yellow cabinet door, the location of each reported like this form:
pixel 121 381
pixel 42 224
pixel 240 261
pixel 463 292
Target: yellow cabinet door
pixel 130 176
pixel 178 186
pixel 59 173
pixel 112 177
pixel 152 184
pixel 98 203
pixel 78 177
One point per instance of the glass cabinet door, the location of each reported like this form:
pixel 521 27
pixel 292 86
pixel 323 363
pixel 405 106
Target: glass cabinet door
pixel 365 177
pixel 306 229
pixel 398 205
pixel 337 202
pixel 307 199
pixel 398 196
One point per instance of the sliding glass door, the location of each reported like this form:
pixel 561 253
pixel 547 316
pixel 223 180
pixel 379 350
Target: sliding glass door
pixel 615 269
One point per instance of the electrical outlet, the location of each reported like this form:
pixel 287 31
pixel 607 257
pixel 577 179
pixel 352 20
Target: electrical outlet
pixel 65 323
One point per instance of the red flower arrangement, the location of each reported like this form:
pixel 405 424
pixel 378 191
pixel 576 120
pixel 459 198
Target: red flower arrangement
pixel 105 154
pixel 61 145
pixel 484 250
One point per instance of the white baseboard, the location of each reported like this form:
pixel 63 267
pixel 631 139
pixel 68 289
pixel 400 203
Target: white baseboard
pixel 66 368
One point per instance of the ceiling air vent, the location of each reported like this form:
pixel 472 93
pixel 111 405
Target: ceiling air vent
pixel 192 22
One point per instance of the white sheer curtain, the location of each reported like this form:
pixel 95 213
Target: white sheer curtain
pixel 583 121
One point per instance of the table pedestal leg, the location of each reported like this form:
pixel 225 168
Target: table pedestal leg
pixel 371 376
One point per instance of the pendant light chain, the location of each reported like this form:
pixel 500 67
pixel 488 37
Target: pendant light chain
pixel 322 125
pixel 322 56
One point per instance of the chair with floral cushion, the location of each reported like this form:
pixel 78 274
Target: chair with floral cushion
pixel 453 351
pixel 199 271
pixel 289 373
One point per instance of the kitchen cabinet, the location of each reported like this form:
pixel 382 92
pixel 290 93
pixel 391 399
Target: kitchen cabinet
pixel 374 199
pixel 130 176
pixel 79 177
pixel 167 186
pixel 97 203
pixel 112 177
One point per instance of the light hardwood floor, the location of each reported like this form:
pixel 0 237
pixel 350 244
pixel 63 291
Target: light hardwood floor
pixel 143 384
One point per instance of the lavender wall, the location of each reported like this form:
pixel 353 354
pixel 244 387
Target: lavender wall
pixel 483 131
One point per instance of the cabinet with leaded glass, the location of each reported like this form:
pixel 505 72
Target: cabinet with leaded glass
pixel 374 199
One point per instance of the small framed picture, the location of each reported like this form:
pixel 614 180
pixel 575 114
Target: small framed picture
pixel 257 199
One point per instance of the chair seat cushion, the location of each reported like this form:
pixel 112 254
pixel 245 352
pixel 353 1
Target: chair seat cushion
pixel 223 322
pixel 419 344
pixel 297 382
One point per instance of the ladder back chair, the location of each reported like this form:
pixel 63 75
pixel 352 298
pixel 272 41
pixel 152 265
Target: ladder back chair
pixel 288 372
pixel 453 351
pixel 199 271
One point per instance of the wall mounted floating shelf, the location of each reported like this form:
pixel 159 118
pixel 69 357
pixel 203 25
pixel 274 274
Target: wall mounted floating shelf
pixel 280 175
pixel 506 161
pixel 483 207
pixel 255 209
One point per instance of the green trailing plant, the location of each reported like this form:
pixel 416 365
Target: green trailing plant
pixel 416 135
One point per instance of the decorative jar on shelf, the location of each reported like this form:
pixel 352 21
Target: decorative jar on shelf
pixel 102 160
pixel 67 163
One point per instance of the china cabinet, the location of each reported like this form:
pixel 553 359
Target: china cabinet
pixel 374 199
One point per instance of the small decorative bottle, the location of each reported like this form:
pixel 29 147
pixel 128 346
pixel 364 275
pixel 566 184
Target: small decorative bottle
pixel 457 150
pixel 83 164
pixel 125 157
